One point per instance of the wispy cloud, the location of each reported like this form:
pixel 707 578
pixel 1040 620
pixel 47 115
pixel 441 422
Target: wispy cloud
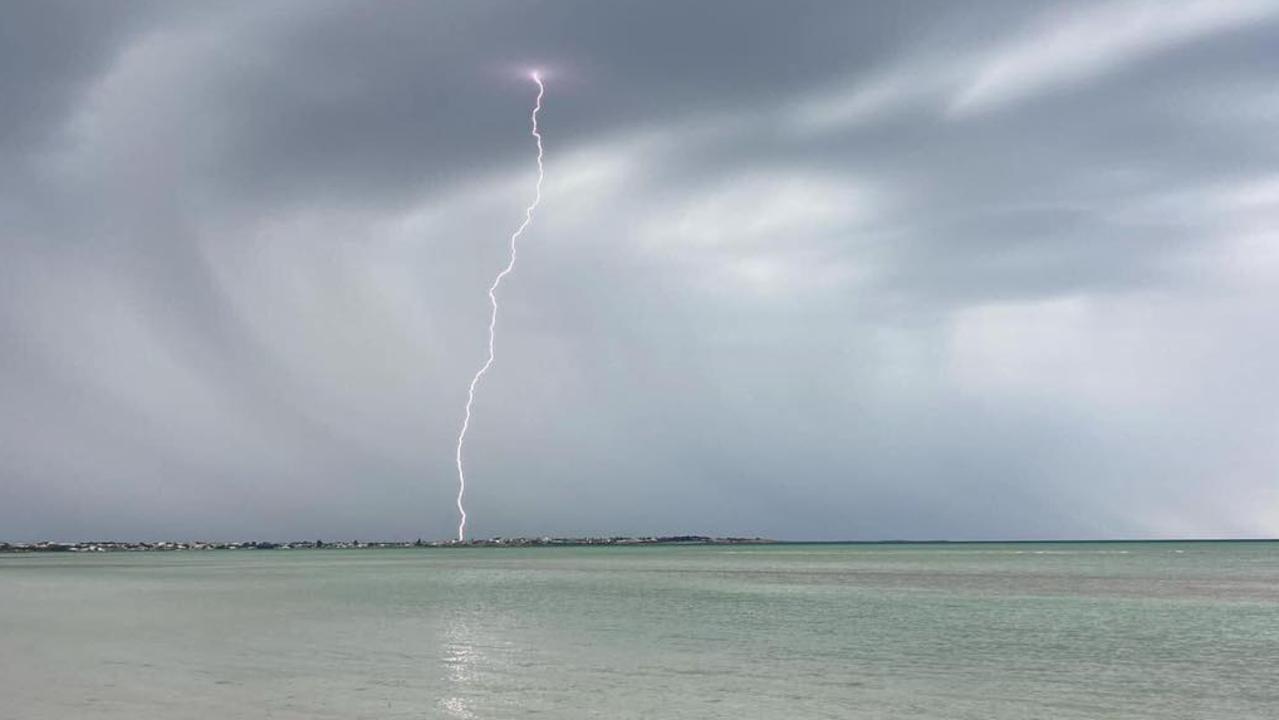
pixel 1072 45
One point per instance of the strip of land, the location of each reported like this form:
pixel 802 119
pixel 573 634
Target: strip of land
pixel 166 546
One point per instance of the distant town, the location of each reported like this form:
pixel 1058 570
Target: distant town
pixel 120 546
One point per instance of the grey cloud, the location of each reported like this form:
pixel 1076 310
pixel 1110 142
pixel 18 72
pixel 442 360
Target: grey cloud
pixel 776 284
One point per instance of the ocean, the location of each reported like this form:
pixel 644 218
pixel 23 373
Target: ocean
pixel 946 631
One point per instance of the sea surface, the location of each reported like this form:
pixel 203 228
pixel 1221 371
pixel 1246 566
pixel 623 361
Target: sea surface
pixel 981 631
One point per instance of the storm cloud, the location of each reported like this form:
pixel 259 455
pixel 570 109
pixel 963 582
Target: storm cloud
pixel 807 269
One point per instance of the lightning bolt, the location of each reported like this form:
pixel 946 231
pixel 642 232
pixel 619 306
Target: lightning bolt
pixel 497 281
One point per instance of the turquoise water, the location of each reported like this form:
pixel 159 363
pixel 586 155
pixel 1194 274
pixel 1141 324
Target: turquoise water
pixel 1158 630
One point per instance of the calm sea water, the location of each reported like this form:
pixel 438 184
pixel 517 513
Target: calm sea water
pixel 803 631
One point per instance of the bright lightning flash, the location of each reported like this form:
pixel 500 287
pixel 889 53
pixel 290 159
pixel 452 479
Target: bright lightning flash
pixel 536 77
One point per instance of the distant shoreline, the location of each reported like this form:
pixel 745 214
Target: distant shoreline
pixel 170 546
pixel 500 542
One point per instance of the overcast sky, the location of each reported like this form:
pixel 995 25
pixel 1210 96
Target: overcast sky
pixel 801 269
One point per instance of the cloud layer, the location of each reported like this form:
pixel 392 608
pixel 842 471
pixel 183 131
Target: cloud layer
pixel 801 270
